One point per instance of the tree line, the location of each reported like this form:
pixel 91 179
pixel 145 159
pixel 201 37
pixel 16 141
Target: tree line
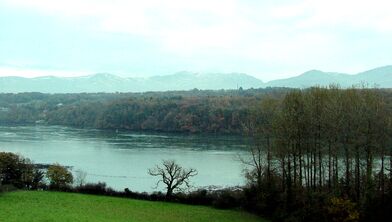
pixel 18 172
pixel 318 144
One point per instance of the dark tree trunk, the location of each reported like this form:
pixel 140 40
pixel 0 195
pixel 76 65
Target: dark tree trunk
pixel 329 165
pixel 357 174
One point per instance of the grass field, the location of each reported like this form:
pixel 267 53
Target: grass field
pixel 54 206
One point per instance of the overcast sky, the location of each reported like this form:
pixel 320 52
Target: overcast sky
pixel 267 39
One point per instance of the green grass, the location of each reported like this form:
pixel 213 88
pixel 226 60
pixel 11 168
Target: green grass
pixel 55 206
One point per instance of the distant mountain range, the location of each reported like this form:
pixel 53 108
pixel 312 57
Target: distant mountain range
pixel 103 82
pixel 380 77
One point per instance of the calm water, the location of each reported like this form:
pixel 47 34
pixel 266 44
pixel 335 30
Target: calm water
pixel 121 159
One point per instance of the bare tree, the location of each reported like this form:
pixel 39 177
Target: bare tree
pixel 172 175
pixel 80 179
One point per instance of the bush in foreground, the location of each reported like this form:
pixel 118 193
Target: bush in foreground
pixel 60 177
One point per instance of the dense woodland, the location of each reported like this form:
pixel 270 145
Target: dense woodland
pixel 320 154
pixel 324 154
pixel 182 111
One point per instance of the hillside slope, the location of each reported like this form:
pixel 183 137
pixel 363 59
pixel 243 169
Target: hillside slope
pixel 53 206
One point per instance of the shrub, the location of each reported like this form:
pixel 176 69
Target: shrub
pixel 7 188
pixel 227 199
pixel 342 210
pixel 59 177
pixel 92 188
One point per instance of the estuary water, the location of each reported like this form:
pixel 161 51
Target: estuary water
pixel 121 158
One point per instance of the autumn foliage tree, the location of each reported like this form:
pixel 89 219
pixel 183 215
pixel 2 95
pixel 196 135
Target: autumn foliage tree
pixel 59 176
